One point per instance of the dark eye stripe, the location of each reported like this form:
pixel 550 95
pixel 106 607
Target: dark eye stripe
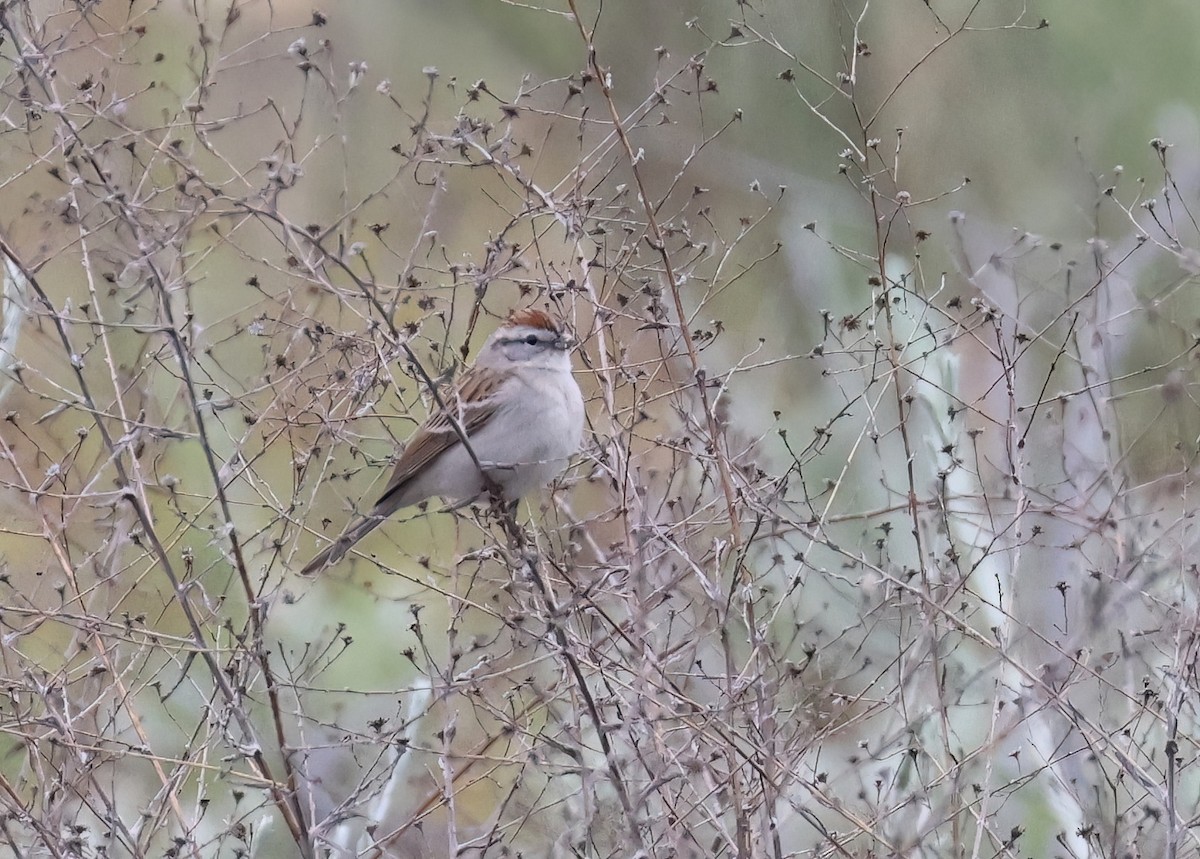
pixel 528 339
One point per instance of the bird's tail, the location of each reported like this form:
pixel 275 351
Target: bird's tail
pixel 336 550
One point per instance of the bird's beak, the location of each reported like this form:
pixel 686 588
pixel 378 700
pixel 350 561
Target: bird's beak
pixel 566 341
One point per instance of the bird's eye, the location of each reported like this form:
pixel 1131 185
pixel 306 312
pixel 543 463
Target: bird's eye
pixel 532 340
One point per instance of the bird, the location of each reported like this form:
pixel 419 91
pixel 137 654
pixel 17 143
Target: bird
pixel 521 412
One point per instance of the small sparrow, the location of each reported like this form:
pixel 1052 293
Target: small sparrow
pixel 521 411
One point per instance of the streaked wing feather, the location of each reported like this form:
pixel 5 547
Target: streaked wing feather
pixel 471 402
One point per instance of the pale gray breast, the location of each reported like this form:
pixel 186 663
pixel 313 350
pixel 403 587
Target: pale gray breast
pixel 541 428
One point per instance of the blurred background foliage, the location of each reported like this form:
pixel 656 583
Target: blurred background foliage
pixel 297 180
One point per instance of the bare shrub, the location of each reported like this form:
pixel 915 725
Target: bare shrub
pixel 881 539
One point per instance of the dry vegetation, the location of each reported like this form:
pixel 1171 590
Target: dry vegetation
pixel 909 573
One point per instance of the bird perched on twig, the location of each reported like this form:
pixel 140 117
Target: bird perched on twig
pixel 520 411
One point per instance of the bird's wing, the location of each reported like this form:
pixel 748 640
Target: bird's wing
pixel 471 402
